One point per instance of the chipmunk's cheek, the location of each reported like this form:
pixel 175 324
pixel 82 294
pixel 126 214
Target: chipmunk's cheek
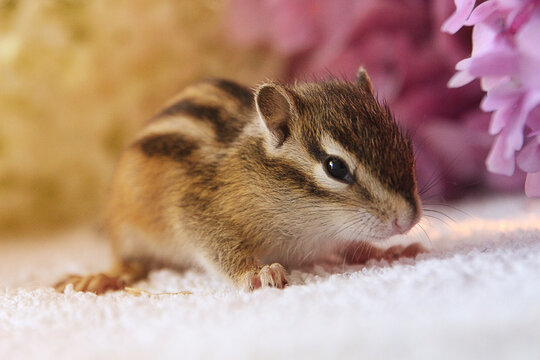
pixel 355 225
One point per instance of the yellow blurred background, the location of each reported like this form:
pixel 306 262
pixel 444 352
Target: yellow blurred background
pixel 77 79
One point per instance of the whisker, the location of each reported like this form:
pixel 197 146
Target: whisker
pixel 436 218
pixel 433 180
pixel 425 232
pixel 440 213
pixel 451 207
pixel 348 225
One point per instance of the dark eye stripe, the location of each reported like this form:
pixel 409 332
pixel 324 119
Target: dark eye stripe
pixel 281 171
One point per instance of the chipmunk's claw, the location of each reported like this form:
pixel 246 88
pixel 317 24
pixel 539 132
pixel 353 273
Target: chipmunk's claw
pixel 273 275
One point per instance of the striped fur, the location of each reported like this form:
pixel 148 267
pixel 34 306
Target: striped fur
pixel 173 146
pixel 219 179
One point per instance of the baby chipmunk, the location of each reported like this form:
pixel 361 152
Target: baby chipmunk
pixel 248 184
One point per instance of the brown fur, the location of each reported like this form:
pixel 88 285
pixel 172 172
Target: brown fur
pixel 251 191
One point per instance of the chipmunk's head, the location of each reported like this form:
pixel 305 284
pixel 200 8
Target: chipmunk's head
pixel 350 173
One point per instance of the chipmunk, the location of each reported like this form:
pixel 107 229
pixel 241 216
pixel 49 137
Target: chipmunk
pixel 247 183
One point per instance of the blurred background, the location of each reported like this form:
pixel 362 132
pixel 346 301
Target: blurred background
pixel 78 78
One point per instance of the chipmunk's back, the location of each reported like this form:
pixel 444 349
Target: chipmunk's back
pixel 177 150
pixel 214 111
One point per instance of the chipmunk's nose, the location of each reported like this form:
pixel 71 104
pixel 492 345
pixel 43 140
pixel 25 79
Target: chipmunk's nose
pixel 401 225
pixel 405 217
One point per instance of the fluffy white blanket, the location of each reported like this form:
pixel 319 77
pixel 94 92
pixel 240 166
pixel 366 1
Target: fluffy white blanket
pixel 475 295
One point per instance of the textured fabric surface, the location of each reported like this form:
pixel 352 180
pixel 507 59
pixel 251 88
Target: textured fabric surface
pixel 475 295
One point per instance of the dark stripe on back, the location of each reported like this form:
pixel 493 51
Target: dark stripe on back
pixel 189 107
pixel 173 146
pixel 226 126
pixel 242 93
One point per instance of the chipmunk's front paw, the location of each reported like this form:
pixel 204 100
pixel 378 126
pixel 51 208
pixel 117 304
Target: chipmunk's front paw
pixel 273 275
pixel 399 251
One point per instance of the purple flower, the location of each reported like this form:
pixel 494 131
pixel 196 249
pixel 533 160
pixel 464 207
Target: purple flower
pixel 506 58
pixel 409 61
pixel 458 18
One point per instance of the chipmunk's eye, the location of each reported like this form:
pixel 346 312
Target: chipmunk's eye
pixel 336 168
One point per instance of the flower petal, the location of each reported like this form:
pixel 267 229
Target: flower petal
pixel 514 134
pixel 459 79
pixel 515 129
pixel 463 64
pixel 490 82
pixel 484 38
pixel 532 102
pixel 528 158
pixel 533 121
pixel 500 119
pixel 528 37
pixel 532 185
pixel 501 96
pixel 458 18
pixel 501 62
pixel 482 12
pixel 496 161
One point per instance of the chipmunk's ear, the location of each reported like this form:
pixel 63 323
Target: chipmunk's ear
pixel 276 108
pixel 363 80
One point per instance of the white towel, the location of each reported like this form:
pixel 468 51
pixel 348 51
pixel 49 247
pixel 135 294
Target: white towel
pixel 476 295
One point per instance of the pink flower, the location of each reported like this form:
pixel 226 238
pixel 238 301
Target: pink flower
pixel 506 57
pixel 409 61
pixel 529 160
pixel 458 18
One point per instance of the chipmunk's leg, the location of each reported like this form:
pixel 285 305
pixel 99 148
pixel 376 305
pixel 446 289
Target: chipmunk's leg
pixel 362 252
pixel 121 275
pixel 245 271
